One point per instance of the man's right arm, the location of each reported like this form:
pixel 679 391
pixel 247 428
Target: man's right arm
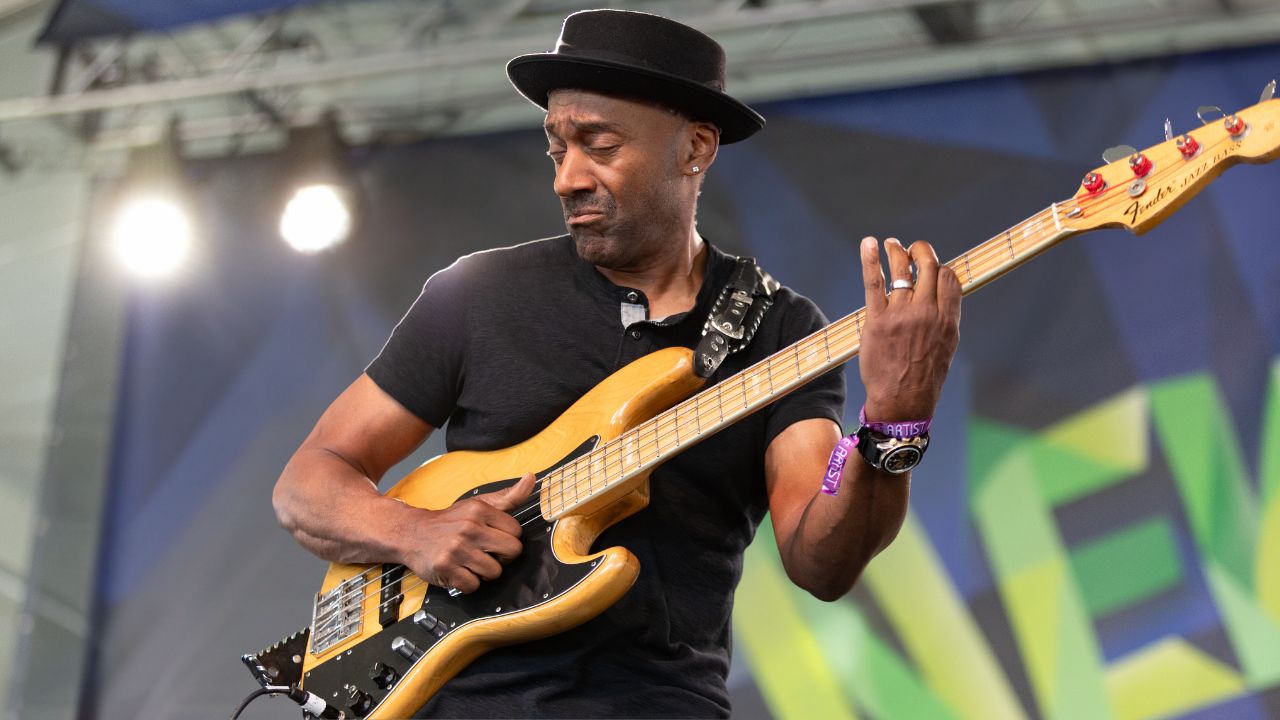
pixel 328 499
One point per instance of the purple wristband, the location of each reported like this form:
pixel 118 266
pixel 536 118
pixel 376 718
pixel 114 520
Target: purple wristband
pixel 901 430
pixel 835 468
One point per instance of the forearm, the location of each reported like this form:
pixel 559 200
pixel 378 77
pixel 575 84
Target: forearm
pixel 837 535
pixel 335 511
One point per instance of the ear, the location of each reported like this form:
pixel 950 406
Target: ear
pixel 701 147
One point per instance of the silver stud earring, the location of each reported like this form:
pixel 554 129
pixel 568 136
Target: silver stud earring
pixel 696 169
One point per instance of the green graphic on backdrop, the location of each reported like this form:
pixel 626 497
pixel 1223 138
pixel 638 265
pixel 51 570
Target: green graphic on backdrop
pixel 1051 593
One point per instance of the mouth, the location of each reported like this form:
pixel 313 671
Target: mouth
pixel 584 218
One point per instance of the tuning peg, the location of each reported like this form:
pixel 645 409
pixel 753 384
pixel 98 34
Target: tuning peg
pixel 1118 152
pixel 1268 91
pixel 1168 129
pixel 1208 110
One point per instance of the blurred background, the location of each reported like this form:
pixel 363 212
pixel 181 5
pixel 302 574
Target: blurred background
pixel 212 214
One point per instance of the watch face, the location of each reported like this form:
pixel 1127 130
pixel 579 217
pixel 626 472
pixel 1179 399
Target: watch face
pixel 901 459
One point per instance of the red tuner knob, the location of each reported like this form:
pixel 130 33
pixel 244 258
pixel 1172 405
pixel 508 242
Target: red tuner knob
pixel 1093 182
pixel 1235 125
pixel 1188 146
pixel 1140 164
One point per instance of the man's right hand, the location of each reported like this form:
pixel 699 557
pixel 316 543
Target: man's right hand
pixel 469 541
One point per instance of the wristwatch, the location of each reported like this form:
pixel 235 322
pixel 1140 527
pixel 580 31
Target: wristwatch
pixel 895 455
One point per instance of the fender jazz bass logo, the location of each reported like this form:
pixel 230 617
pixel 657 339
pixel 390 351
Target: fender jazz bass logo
pixel 1142 207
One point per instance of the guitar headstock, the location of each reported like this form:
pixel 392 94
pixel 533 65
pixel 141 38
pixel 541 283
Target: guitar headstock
pixel 1141 189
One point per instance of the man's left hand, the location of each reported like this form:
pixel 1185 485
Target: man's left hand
pixel 910 335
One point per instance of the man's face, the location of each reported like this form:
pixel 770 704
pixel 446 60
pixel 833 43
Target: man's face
pixel 617 174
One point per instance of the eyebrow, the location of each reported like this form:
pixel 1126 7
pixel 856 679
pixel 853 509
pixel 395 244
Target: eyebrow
pixel 588 127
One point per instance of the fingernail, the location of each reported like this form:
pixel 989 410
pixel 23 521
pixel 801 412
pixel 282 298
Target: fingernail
pixel 868 243
pixel 894 241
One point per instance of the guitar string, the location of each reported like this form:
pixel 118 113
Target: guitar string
pixel 1108 199
pixel 981 254
pixel 993 247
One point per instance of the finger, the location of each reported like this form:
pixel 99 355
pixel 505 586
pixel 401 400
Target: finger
pixel 512 497
pixel 926 262
pixel 872 275
pixel 483 565
pixel 456 578
pixel 503 546
pixel 949 294
pixel 899 263
pixel 497 519
pixel 462 580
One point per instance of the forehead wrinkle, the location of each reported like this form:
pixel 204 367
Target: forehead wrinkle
pixel 582 126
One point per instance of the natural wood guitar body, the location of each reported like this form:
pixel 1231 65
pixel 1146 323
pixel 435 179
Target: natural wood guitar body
pixel 633 394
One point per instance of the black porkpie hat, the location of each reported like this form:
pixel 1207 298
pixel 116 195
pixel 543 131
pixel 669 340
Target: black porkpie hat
pixel 629 53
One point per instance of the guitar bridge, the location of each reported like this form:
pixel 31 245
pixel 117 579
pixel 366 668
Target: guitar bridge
pixel 338 614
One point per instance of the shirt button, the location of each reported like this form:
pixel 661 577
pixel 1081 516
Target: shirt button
pixel 635 334
pixel 633 297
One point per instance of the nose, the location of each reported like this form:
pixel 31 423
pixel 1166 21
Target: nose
pixel 573 174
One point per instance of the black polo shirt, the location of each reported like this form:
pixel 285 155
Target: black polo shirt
pixel 498 345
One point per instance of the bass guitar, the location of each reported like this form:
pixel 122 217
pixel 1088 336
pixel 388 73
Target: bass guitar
pixel 382 641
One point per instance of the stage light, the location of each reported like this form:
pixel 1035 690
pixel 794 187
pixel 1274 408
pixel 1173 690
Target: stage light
pixel 152 235
pixel 320 209
pixel 316 218
pixel 152 228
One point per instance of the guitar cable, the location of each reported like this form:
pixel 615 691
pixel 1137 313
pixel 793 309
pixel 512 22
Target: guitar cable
pixel 310 703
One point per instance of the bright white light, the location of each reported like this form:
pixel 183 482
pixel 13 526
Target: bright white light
pixel 316 218
pixel 152 235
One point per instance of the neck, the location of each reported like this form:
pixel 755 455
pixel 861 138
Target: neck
pixel 670 279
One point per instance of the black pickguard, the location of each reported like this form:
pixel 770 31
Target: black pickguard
pixel 353 680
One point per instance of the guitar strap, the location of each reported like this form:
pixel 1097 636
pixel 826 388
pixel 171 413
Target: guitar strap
pixel 735 316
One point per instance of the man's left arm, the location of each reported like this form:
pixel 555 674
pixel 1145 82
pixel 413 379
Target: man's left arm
pixel 909 337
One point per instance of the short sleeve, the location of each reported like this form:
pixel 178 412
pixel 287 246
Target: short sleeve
pixel 422 364
pixel 821 398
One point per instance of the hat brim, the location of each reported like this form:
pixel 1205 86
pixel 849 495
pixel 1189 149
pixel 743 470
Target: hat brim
pixel 536 75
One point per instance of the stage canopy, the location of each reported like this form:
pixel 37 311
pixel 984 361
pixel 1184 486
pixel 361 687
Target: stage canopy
pixel 80 19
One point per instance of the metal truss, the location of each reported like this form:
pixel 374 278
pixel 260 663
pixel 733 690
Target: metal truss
pixel 398 69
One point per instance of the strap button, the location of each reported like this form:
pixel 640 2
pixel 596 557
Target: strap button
pixel 633 296
pixel 635 334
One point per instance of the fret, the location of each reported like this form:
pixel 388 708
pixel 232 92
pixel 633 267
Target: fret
pixel 857 320
pixel 720 401
pixel 826 343
pixel 742 378
pixel 604 471
pixel 697 413
pixel 768 375
pixel 675 414
pixel 549 491
pixel 554 497
pixel 795 350
pixel 967 271
pixel 561 489
pixel 1008 239
pixel 629 445
pixel 576 463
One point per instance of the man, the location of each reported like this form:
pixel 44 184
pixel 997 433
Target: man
pixel 503 341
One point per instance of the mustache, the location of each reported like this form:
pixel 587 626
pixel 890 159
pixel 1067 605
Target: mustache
pixel 586 203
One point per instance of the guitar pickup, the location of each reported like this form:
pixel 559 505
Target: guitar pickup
pixel 390 598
